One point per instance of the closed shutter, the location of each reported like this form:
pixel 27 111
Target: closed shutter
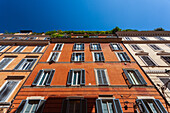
pixel 37 77
pixel 59 47
pixel 50 77
pixel 20 64
pixel 99 76
pixel 73 57
pixel 69 79
pixel 127 76
pixel 142 80
pixel 91 46
pixel 148 61
pixel 99 47
pixel 82 57
pixel 166 58
pixel 2 48
pixel 32 63
pixel 111 46
pixel 95 56
pixel 40 106
pixel 120 57
pixel 4 62
pixel 120 47
pixel 141 106
pixel 7 89
pixel 104 77
pixel 39 49
pixel 99 106
pixel 74 47
pixel 126 56
pixel 21 106
pixel 82 45
pixel 83 80
pixel 117 106
pixel 83 106
pixel 102 56
pixel 160 106
pixel 65 106
pixel 55 56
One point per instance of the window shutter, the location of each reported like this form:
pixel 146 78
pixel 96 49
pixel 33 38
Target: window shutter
pixel 74 47
pixel 4 62
pixel 91 46
pixel 127 75
pixel 142 80
pixel 69 79
pixel 99 106
pixel 32 63
pixel 95 56
pixel 111 46
pixel 73 56
pixel 104 77
pixel 21 106
pixel 60 45
pixel 37 77
pixel 148 61
pixel 99 47
pixel 99 77
pixel 120 57
pixel 55 56
pixel 65 106
pixel 82 46
pixel 50 77
pixel 83 106
pixel 160 106
pixel 120 47
pixel 40 106
pixel 126 56
pixel 117 106
pixel 142 106
pixel 102 56
pixel 82 57
pixel 20 64
pixel 83 80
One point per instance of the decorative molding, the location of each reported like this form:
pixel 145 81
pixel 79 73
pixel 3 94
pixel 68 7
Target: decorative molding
pixel 142 53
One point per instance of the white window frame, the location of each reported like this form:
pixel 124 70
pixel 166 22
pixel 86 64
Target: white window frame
pixel 61 47
pixel 23 63
pixel 36 47
pixel 94 56
pixel 4 48
pixel 96 76
pixel 8 63
pixel 51 55
pixel 149 58
pixel 119 58
pixel 18 47
pixel 72 79
pixel 153 48
pixel 134 49
pixel 129 38
pixel 12 90
pixel 81 56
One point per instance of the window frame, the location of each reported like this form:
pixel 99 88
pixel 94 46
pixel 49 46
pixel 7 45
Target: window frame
pixel 60 48
pixel 3 48
pixel 164 59
pixel 75 49
pixel 160 38
pixel 159 77
pixel 82 56
pixel 18 47
pixel 153 48
pixel 130 39
pixel 48 60
pixel 136 45
pixel 126 60
pixel 149 58
pixel 146 39
pixel 102 59
pixel 120 48
pixel 106 75
pixel 36 48
pixel 98 47
pixel 6 64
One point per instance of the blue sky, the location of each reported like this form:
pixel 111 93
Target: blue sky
pixel 45 15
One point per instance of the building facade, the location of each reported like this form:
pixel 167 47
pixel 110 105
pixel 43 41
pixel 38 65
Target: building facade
pixel 87 75
pixel 18 56
pixel 152 51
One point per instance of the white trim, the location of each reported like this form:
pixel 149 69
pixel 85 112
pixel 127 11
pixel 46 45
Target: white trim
pixel 36 47
pixel 51 55
pixel 145 97
pixel 35 97
pixel 61 47
pixel 117 55
pixel 18 47
pixel 8 62
pixel 4 48
pixel 24 63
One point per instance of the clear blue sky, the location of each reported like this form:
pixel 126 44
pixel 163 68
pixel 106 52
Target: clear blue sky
pixel 45 15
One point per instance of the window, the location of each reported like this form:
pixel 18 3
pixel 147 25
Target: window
pixel 143 38
pixel 31 106
pixel 47 38
pixel 150 106
pixel 154 47
pixel 128 38
pixel 76 77
pixel 108 106
pixel 74 106
pixel 43 78
pixel 102 78
pixel 54 56
pixel 116 46
pixel 166 59
pixel 7 89
pixel 93 36
pixel 98 56
pixel 165 80
pixel 159 38
pixel 122 56
pixel 38 49
pixel 32 38
pixel 77 57
pixel 133 77
pixel 25 64
pixel 135 47
pixel 58 47
pixel 94 46
pixel 2 47
pixel 5 62
pixel 19 49
pixel 78 47
pixel 148 60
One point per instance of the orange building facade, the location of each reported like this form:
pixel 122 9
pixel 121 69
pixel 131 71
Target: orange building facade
pixel 87 75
